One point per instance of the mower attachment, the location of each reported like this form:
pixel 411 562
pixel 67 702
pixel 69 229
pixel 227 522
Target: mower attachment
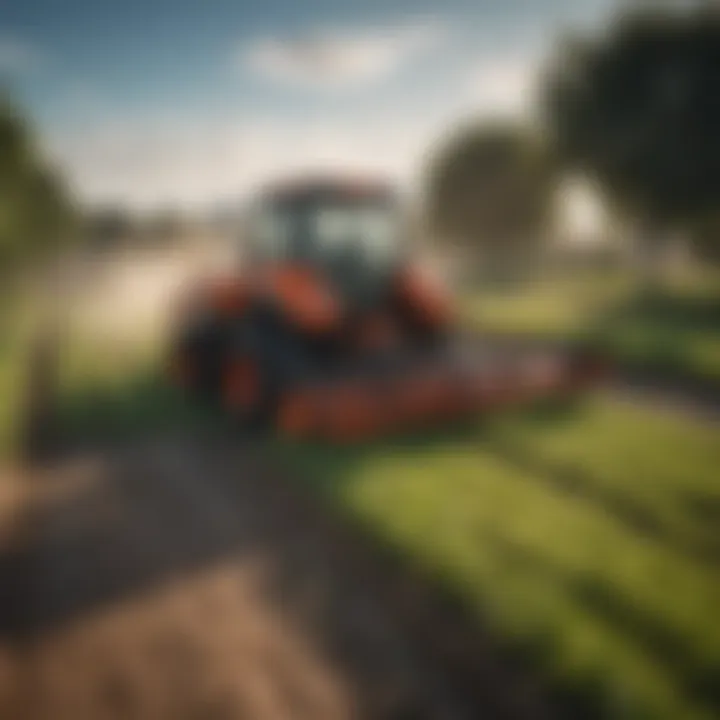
pixel 419 393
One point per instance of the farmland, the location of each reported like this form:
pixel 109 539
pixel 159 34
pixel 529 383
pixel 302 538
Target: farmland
pixel 673 335
pixel 584 536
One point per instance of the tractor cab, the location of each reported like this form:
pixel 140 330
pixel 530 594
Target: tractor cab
pixel 349 233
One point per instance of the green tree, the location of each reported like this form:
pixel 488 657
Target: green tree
pixel 490 190
pixel 36 213
pixel 637 109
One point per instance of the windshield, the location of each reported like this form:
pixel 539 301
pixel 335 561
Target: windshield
pixel 327 231
pixel 273 233
pixel 366 231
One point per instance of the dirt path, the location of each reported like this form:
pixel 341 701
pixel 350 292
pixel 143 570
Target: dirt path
pixel 180 579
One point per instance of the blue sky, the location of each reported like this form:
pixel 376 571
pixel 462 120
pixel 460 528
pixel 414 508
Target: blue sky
pixel 193 101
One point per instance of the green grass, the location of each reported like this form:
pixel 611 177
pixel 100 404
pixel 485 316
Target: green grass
pixel 120 392
pixel 674 336
pixel 656 471
pixel 616 610
pixel 547 307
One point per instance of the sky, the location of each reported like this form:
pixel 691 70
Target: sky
pixel 158 102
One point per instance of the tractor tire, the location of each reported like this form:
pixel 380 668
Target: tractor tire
pixel 266 341
pixel 199 350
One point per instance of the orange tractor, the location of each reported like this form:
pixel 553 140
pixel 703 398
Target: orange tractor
pixel 329 329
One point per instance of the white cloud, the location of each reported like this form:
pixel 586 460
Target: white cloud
pixel 145 163
pixel 340 58
pixel 17 56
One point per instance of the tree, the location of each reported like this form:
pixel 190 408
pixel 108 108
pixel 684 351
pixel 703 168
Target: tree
pixel 637 109
pixel 36 213
pixel 490 189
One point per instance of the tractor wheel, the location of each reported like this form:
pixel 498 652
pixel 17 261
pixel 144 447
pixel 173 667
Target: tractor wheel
pixel 264 357
pixel 244 390
pixel 196 359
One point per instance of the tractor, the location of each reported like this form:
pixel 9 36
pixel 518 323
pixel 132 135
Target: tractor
pixel 329 328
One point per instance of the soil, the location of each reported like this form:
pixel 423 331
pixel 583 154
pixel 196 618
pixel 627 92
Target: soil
pixel 181 577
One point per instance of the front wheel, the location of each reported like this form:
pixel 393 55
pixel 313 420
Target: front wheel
pixel 265 358
pixel 196 359
pixel 245 391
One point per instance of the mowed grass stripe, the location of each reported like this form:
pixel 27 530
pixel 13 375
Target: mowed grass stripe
pixel 658 469
pixel 609 608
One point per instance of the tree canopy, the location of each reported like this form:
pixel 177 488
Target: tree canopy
pixel 638 110
pixel 35 210
pixel 491 187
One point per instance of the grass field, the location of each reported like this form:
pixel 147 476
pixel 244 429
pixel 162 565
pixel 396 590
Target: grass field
pixel 588 538
pixel 546 307
pixel 675 335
